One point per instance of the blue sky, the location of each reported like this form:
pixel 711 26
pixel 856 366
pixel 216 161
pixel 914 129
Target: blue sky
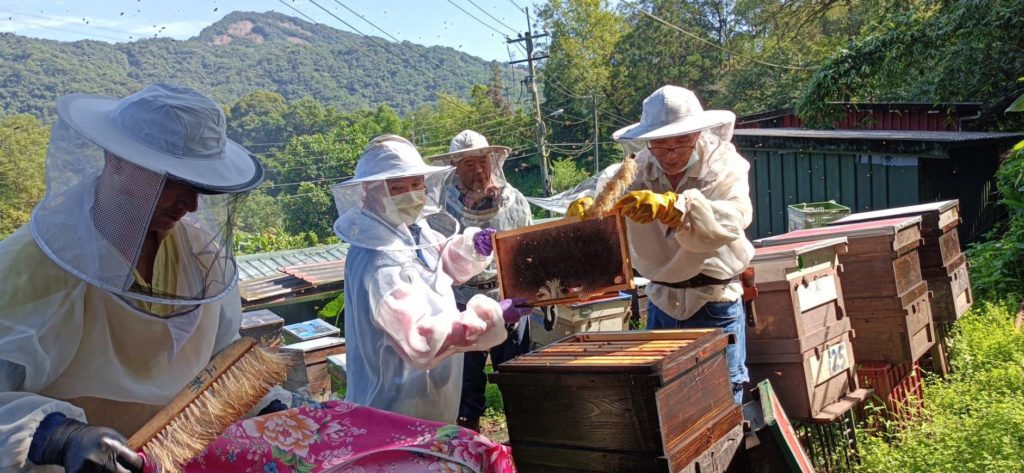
pixel 429 22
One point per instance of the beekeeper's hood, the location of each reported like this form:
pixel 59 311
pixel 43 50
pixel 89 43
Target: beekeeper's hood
pixel 479 187
pixel 674 111
pixel 372 214
pixel 112 165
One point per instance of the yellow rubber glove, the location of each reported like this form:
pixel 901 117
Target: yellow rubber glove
pixel 646 206
pixel 578 208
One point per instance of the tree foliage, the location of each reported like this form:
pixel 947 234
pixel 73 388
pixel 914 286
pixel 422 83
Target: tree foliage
pixel 23 142
pixel 243 52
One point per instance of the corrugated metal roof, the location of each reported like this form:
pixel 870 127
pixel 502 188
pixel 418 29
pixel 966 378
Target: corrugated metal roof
pixel 261 265
pixel 291 273
pixel 878 135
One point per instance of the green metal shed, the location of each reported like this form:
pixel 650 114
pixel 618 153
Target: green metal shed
pixel 871 170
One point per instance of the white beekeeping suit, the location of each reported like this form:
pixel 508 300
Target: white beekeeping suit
pixel 488 202
pixel 404 333
pixel 123 285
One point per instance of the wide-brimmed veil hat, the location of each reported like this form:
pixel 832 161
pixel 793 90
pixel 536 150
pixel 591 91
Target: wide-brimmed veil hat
pixel 674 111
pixel 168 129
pixel 367 212
pixel 469 143
pixel 109 162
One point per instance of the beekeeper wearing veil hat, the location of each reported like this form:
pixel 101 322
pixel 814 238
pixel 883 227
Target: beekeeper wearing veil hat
pixel 688 207
pixel 478 195
pixel 405 336
pixel 122 286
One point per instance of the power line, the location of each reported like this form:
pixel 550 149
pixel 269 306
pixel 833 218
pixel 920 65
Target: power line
pixel 66 30
pixel 396 40
pixel 503 35
pixel 516 5
pixel 709 43
pixel 372 40
pixel 329 29
pixel 492 16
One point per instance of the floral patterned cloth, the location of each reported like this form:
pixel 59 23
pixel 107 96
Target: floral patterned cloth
pixel 339 436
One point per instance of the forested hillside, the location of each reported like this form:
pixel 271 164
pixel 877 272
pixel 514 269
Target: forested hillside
pixel 243 52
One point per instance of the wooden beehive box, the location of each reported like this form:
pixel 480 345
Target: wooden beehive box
pixel 800 298
pixel 263 326
pixel 309 365
pixel 809 382
pixel 881 280
pixel 904 334
pixel 607 314
pixel 943 263
pixel 619 402
pixel 564 261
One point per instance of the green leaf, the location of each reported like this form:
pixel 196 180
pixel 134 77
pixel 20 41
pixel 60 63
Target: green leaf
pixel 279 453
pixel 333 308
pixel 1017 105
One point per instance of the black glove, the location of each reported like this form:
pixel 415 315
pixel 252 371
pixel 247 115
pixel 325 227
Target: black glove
pixel 275 406
pixel 82 448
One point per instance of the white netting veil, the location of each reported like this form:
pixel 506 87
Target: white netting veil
pixel 128 223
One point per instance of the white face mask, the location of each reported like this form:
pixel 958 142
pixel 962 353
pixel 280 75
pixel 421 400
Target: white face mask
pixel 409 205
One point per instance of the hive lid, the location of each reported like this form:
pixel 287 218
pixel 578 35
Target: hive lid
pixel 890 226
pixel 941 209
pixel 794 250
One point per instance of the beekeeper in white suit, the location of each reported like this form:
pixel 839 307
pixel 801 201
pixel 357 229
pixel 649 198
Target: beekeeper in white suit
pixel 123 285
pixel 405 336
pixel 478 195
pixel 688 208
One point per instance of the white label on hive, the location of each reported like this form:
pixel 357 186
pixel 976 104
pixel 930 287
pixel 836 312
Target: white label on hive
pixel 834 359
pixel 817 292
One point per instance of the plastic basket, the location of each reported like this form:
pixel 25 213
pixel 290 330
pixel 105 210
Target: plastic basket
pixel 815 214
pixel 900 386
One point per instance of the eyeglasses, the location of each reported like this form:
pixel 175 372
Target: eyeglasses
pixel 660 150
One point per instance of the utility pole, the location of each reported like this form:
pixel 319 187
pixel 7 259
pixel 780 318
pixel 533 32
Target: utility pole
pixel 531 82
pixel 597 139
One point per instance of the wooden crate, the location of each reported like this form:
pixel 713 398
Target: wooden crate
pixel 619 402
pixel 263 326
pixel 895 336
pixel 882 286
pixel 309 365
pixel 602 315
pixel 808 382
pixel 951 288
pixel 799 292
pixel 881 260
pixel 941 257
pixel 938 226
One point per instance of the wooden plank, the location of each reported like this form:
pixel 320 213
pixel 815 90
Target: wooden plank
pixel 752 183
pixel 778 207
pixel 789 179
pixel 879 183
pixel 848 180
pixel 818 177
pixel 803 166
pixel 764 219
pixel 551 459
pixel 832 178
pixel 863 177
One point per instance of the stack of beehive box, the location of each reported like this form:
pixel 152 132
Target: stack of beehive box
pixel 619 402
pixel 884 292
pixel 943 265
pixel 802 339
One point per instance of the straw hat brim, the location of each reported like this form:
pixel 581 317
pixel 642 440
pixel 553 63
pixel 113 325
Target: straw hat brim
pixel 422 170
pixel 692 124
pixel 90 115
pixel 452 157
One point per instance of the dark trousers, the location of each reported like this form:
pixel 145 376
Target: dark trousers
pixel 474 380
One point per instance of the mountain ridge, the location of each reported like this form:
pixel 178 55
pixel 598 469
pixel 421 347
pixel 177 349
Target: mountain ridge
pixel 240 53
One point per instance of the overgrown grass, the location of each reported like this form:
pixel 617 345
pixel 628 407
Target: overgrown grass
pixel 971 422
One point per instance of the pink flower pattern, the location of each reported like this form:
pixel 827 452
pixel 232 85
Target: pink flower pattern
pixel 338 436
